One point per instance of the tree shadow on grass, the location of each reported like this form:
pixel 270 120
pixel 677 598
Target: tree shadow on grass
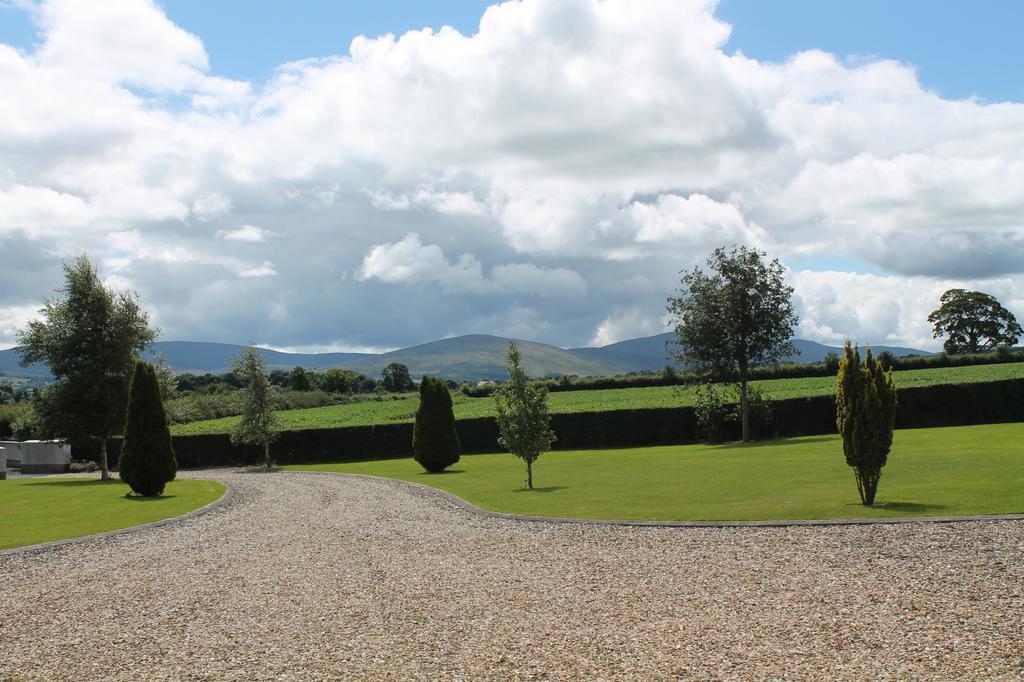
pixel 439 473
pixel 903 506
pixel 775 442
pixel 548 489
pixel 140 498
pixel 76 482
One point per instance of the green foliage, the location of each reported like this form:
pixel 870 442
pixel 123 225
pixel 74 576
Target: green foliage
pixel 522 412
pixel 865 416
pixel 395 379
pixel 147 459
pixel 258 424
pixel 973 321
pixel 299 379
pixel 736 315
pixel 394 409
pixel 89 337
pixel 435 442
pixel 710 405
pixel 165 378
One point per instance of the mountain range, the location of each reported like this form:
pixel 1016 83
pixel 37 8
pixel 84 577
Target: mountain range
pixel 463 358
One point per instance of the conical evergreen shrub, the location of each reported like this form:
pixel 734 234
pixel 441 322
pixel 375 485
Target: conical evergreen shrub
pixel 147 459
pixel 865 416
pixel 435 442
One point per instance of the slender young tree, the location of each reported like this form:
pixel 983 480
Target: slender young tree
pixel 259 424
pixel 90 338
pixel 865 416
pixel 523 422
pixel 734 316
pixel 435 442
pixel 147 461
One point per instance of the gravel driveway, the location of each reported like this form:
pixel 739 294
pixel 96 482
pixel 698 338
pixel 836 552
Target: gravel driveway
pixel 305 576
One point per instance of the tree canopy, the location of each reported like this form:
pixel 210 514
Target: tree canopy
pixel 733 316
pixel 524 426
pixel 147 461
pixel 973 321
pixel 90 337
pixel 396 379
pixel 259 424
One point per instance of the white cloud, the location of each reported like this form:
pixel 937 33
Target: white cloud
pixel 626 324
pixel 245 233
pixel 412 261
pixel 211 205
pixel 575 147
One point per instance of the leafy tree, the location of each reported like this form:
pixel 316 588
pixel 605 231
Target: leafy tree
pixel 89 337
pixel 395 378
pixel 259 424
pixel 733 317
pixel 299 379
pixel 147 461
pixel 865 415
pixel 165 378
pixel 435 443
pixel 523 423
pixel 973 321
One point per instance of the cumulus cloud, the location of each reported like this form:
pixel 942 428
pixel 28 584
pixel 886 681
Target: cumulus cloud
pixel 245 233
pixel 550 175
pixel 412 261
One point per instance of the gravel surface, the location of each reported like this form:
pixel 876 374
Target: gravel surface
pixel 306 577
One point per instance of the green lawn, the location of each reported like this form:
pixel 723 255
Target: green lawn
pixel 931 472
pixel 37 510
pixel 404 410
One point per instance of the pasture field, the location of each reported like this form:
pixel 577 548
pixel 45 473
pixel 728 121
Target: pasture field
pixel 404 410
pixel 951 471
pixel 43 509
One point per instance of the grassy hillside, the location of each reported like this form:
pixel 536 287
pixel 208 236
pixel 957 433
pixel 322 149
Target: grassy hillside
pixel 479 356
pixel 404 410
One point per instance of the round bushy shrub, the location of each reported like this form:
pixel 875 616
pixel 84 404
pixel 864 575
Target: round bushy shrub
pixel 435 442
pixel 147 459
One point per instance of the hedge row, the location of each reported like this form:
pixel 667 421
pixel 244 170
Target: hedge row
pixel 930 406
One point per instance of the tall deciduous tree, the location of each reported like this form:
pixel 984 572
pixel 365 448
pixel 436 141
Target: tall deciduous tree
pixel 90 338
pixel 973 322
pixel 865 416
pixel 259 424
pixel 523 423
pixel 435 442
pixel 395 378
pixel 147 461
pixel 734 316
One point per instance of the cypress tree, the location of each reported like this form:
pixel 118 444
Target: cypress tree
pixel 147 459
pixel 865 416
pixel 435 442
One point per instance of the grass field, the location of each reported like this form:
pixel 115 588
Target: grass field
pixel 946 472
pixel 38 510
pixel 392 411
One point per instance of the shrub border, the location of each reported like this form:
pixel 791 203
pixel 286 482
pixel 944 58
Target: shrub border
pixel 222 501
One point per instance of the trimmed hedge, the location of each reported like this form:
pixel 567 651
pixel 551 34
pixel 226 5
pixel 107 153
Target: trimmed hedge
pixel 919 407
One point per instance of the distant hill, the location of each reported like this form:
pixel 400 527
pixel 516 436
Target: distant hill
pixel 463 358
pixel 200 357
pixel 650 352
pixel 480 356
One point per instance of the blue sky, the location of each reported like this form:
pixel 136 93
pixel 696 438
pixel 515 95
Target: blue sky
pixel 543 175
pixel 961 49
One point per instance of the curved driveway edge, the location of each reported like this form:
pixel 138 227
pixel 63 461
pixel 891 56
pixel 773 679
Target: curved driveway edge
pixel 473 509
pixel 224 499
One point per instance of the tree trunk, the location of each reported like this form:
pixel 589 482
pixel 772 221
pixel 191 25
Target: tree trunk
pixel 266 454
pixel 104 470
pixel 744 405
pixel 529 474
